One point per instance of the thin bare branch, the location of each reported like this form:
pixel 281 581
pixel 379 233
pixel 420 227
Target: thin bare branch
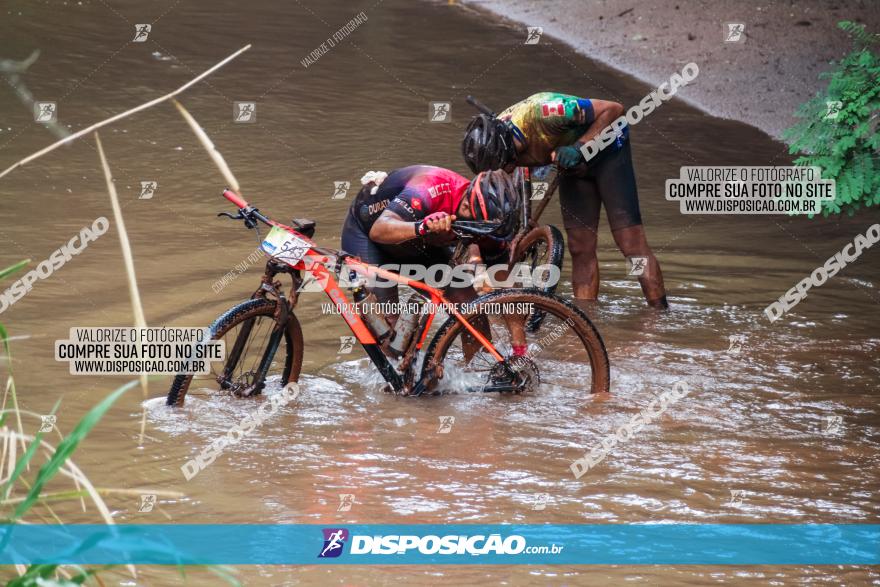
pixel 209 147
pixel 11 66
pixel 122 115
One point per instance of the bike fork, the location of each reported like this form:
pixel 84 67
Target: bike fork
pixel 235 354
pixel 268 355
pixel 282 316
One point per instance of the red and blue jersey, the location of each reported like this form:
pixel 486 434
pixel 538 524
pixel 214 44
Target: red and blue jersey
pixel 412 193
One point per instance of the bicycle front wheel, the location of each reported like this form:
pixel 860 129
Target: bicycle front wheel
pixel 567 354
pixel 247 331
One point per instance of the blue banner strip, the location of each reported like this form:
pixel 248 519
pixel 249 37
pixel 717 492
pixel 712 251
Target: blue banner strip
pixel 457 544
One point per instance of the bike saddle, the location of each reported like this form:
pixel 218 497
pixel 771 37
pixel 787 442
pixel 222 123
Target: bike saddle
pixel 304 226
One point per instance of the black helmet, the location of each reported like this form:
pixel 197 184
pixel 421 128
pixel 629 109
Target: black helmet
pixel 494 199
pixel 488 143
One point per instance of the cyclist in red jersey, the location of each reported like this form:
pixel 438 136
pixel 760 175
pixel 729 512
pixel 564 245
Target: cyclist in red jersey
pixel 406 217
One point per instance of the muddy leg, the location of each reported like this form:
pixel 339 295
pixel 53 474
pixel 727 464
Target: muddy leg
pixel 632 243
pixel 584 262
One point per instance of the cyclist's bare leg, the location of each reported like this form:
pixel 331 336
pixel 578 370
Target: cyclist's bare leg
pixel 582 244
pixel 388 296
pixel 632 243
pixel 461 296
pixel 516 323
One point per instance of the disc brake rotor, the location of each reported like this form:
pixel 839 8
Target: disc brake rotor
pixel 520 372
pixel 241 386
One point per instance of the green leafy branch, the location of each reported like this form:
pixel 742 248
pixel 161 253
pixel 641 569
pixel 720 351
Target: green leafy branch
pixel 838 127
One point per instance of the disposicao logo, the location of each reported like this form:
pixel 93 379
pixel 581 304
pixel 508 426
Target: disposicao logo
pixel 410 545
pixel 334 540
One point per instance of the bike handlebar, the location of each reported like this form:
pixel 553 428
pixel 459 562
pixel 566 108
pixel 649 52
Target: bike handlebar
pixel 480 106
pixel 235 198
pixel 246 212
pixel 474 228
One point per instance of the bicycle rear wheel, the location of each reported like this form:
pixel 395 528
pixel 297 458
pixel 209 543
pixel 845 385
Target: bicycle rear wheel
pixel 543 245
pixel 568 354
pixel 246 329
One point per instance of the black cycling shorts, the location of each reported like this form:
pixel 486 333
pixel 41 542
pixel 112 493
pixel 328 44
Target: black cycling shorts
pixel 357 242
pixel 607 179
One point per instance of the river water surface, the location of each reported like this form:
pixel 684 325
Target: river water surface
pixel 790 422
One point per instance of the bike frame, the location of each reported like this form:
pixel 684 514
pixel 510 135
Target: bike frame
pixel 530 217
pixel 315 262
pixel 535 215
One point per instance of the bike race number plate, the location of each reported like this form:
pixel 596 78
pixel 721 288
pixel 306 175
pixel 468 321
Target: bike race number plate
pixel 285 246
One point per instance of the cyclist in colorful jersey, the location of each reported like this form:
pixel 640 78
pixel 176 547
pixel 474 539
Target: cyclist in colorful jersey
pixel 406 217
pixel 550 128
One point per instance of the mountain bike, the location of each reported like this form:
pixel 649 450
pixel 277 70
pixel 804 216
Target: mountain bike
pixel 470 351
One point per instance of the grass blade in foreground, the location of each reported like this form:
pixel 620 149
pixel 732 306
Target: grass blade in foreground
pixel 137 307
pixel 4 336
pixel 66 448
pixel 13 268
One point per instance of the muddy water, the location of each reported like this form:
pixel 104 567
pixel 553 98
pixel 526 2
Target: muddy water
pixel 791 420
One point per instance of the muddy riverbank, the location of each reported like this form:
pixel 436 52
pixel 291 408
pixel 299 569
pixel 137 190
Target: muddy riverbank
pixel 760 80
